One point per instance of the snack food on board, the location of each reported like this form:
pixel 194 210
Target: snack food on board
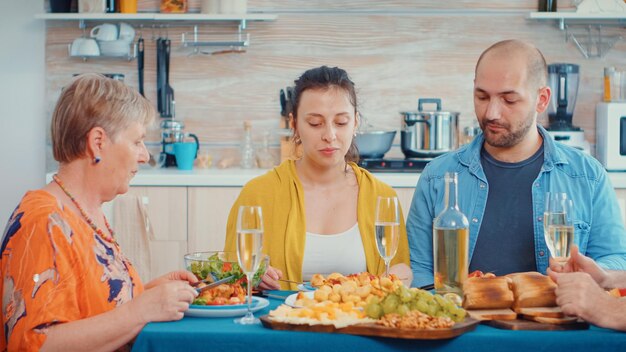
pixel 322 313
pixel 532 289
pixel 487 293
pixel 356 288
pixel 518 290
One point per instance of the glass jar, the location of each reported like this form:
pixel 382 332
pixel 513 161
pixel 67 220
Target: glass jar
pixel 173 6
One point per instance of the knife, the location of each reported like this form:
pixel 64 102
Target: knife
pixel 214 284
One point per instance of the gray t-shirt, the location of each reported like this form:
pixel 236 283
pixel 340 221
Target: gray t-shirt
pixel 506 240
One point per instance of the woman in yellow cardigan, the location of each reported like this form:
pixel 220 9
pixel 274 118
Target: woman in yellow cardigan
pixel 323 199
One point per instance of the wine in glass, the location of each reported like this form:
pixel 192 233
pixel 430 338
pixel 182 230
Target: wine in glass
pixel 249 246
pixel 387 229
pixel 558 225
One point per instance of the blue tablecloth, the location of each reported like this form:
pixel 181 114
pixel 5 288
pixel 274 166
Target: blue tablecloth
pixel 222 334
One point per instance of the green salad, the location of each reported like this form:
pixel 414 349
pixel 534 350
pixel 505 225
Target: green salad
pixel 221 269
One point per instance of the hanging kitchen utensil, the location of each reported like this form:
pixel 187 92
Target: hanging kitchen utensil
pixel 160 70
pixel 140 64
pixel 169 91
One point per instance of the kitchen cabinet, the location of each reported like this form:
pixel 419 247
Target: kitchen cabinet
pixel 208 209
pixel 208 214
pixel 405 197
pixel 166 209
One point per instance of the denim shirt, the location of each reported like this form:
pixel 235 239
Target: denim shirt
pixel 598 227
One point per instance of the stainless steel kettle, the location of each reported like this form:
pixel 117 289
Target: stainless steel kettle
pixel 427 134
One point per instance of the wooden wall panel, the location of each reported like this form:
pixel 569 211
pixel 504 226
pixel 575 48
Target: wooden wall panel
pixel 393 59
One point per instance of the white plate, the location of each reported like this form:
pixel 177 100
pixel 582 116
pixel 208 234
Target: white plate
pixel 235 310
pixel 306 287
pixel 291 299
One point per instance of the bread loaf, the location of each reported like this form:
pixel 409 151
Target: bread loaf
pixel 532 289
pixel 487 293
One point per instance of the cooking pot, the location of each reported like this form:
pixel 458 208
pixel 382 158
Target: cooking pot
pixel 427 134
pixel 373 144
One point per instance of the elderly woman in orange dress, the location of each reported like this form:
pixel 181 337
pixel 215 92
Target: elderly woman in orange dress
pixel 66 285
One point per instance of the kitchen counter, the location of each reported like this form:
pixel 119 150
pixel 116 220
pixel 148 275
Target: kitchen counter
pixel 237 177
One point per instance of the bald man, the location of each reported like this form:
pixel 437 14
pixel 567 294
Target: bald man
pixel 504 173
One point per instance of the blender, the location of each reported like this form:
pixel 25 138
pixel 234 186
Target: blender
pixel 563 79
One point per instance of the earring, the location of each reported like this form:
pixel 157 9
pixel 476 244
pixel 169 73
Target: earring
pixel 96 160
pixel 296 139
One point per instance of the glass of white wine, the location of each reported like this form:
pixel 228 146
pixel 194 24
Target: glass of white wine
pixel 387 229
pixel 249 247
pixel 558 225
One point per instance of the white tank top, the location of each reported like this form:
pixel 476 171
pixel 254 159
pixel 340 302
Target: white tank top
pixel 325 254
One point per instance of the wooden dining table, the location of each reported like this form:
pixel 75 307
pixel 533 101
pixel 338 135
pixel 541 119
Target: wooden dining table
pixel 222 334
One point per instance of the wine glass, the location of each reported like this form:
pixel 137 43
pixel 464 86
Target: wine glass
pixel 249 246
pixel 387 229
pixel 558 225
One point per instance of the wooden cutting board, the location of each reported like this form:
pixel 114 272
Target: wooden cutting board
pixel 371 329
pixel 520 324
pixel 491 314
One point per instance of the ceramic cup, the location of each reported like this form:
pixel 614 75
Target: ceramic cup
pixel 185 153
pixel 84 47
pixel 126 32
pixel 105 32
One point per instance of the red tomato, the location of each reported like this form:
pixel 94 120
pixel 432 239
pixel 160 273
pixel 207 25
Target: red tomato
pixel 227 267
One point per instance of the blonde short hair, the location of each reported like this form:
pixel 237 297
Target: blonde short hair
pixel 92 100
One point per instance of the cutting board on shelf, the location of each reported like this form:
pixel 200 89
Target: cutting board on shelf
pixel 523 324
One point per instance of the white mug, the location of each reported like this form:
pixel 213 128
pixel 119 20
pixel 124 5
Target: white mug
pixel 126 32
pixel 84 47
pixel 93 6
pixel 105 32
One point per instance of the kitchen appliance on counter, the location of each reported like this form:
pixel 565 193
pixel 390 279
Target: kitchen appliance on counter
pixel 394 164
pixel 172 131
pixel 563 79
pixel 611 135
pixel 428 133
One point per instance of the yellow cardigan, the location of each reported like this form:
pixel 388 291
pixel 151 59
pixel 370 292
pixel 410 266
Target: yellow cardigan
pixel 281 197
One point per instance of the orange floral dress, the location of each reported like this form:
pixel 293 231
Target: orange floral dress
pixel 56 269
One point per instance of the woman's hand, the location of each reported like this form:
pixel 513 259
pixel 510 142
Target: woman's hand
pixel 180 275
pixel 269 281
pixel 164 302
pixel 580 263
pixel 403 272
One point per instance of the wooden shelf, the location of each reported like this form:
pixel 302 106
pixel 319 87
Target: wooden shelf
pixel 154 17
pixel 593 42
pixel 576 16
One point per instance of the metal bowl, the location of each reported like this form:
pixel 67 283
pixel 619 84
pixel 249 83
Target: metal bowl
pixel 374 144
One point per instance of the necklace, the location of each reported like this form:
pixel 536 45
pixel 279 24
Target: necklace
pixel 86 217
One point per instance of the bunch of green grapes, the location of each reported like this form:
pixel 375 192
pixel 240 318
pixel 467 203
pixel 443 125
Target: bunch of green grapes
pixel 404 299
